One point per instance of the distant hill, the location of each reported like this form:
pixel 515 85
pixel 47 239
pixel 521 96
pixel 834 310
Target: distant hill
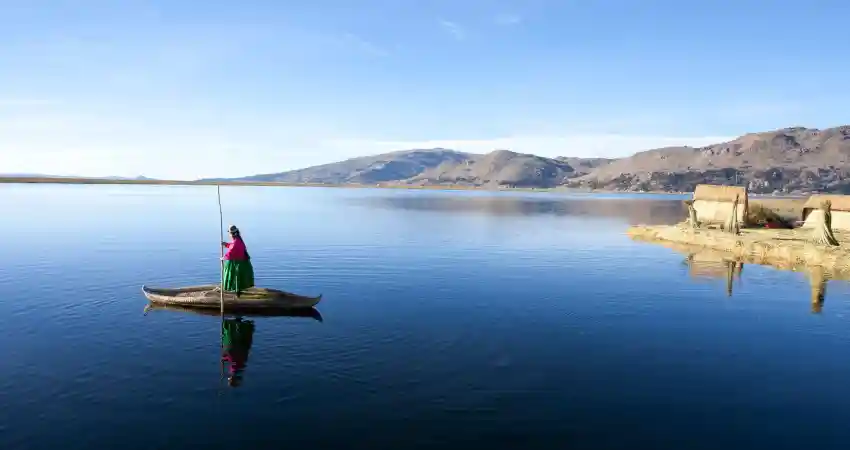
pixel 789 160
pixel 585 165
pixel 786 160
pixel 500 168
pixel 369 169
pixel 440 166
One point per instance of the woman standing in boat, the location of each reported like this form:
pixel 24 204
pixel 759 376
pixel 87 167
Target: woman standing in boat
pixel 238 271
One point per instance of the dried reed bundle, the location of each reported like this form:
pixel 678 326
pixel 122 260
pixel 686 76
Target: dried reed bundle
pixel 822 233
pixel 732 225
pixel 692 214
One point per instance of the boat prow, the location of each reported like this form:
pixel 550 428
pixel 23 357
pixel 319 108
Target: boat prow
pixel 210 296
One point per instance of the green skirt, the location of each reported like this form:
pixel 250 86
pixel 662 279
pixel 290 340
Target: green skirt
pixel 238 275
pixel 237 333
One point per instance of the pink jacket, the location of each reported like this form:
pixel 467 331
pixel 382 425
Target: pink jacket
pixel 236 250
pixel 236 362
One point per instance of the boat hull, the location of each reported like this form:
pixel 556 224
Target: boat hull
pixel 306 313
pixel 209 297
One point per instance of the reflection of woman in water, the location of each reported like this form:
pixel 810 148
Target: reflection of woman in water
pixel 237 335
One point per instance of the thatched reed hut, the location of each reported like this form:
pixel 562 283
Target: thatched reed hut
pixel 713 203
pixel 812 214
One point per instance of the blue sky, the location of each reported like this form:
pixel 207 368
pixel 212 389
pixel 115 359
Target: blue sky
pixel 187 89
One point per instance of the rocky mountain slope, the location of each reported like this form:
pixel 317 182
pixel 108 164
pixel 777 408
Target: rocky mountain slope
pixel 501 167
pixel 786 160
pixel 441 166
pixel 386 167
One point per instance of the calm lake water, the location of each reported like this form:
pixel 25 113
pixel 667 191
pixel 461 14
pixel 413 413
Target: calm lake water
pixel 510 320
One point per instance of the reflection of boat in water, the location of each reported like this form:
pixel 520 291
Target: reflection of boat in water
pixel 310 313
pixel 237 335
pixel 210 297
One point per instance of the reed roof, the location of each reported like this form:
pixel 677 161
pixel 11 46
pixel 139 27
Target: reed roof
pixel 839 202
pixel 717 193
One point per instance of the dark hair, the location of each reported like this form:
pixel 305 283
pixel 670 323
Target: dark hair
pixel 234 231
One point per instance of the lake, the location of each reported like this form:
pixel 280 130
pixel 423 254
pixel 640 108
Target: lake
pixel 507 319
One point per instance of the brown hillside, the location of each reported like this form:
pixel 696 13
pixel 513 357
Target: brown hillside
pixel 781 160
pixel 501 167
pixel 786 148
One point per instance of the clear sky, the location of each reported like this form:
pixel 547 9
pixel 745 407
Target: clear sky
pixel 192 88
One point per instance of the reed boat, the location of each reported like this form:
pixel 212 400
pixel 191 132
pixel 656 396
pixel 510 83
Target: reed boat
pixel 210 297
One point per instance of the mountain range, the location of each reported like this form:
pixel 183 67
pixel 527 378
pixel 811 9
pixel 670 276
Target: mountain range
pixel 788 160
pixel 792 160
pixel 442 166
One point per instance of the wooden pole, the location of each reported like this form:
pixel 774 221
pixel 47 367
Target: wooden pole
pixel 221 248
pixel 221 288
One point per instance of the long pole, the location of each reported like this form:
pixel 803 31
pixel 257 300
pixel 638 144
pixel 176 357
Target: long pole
pixel 221 279
pixel 221 249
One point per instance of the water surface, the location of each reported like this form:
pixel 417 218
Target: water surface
pixel 510 320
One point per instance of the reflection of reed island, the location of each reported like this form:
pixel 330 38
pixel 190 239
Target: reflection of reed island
pixel 632 210
pixel 711 265
pixel 236 337
pixel 707 263
pixel 817 279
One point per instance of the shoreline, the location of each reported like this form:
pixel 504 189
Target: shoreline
pixel 147 182
pixel 449 187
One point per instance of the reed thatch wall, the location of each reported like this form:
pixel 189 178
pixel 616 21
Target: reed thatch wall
pixel 714 203
pixel 812 215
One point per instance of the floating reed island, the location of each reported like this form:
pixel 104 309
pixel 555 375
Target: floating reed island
pixel 721 218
